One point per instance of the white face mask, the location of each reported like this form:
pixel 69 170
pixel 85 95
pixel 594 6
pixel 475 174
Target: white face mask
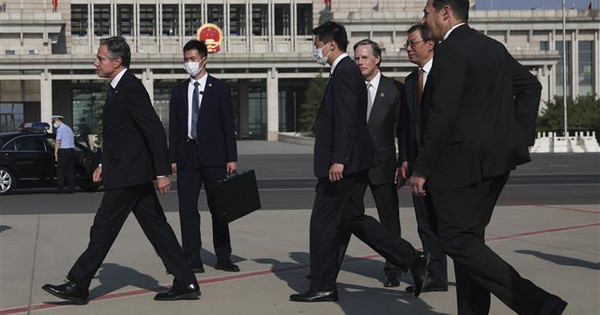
pixel 55 125
pixel 318 55
pixel 192 68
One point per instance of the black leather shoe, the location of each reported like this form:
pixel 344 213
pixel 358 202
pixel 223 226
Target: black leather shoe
pixel 419 272
pixel 392 279
pixel 227 267
pixel 68 291
pixel 430 286
pixel 553 306
pixel 315 296
pixel 189 292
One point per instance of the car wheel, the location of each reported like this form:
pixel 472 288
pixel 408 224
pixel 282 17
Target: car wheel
pixel 7 181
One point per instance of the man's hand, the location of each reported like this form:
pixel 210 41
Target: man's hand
pixel 404 169
pixel 336 172
pixel 97 177
pixel 56 157
pixel 417 184
pixel 174 168
pixel 399 180
pixel 231 167
pixel 163 183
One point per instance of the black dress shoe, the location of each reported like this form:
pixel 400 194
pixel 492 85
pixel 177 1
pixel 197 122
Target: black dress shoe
pixel 553 306
pixel 227 267
pixel 315 296
pixel 392 279
pixel 68 291
pixel 430 286
pixel 189 292
pixel 419 272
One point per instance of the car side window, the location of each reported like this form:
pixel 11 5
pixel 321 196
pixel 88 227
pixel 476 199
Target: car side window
pixel 9 146
pixel 30 144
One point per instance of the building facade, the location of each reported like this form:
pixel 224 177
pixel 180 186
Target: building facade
pixel 46 53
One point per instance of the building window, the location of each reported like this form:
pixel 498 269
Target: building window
pixel 125 19
pixel 544 46
pixel 282 19
pixel 260 20
pixel 305 19
pixel 215 14
pixel 101 19
pixel 87 109
pixel 237 19
pixel 586 67
pixel 193 16
pixel 559 69
pixel 147 20
pixel 79 20
pixel 11 116
pixel 170 20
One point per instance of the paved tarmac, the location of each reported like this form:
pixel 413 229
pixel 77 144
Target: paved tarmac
pixel 556 246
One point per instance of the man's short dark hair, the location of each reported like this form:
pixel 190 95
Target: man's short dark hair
pixel 198 45
pixel 332 31
pixel 459 7
pixel 374 47
pixel 118 48
pixel 425 34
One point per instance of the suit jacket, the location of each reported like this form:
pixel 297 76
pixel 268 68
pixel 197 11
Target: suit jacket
pixel 479 113
pixel 383 123
pixel 341 133
pixel 135 144
pixel 411 120
pixel 216 132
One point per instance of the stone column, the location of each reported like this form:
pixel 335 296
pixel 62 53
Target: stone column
pixel 46 96
pixel 272 105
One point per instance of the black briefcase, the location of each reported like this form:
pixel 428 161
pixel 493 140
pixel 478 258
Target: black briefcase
pixel 236 196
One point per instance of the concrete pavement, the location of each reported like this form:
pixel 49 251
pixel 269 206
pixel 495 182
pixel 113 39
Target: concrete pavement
pixel 558 247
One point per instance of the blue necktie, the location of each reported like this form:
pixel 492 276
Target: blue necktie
pixel 195 110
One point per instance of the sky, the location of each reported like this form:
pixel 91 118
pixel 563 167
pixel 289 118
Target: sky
pixel 530 4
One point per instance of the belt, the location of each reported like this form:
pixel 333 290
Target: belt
pixel 191 140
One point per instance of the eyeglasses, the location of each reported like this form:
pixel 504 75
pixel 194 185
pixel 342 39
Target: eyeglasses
pixel 412 44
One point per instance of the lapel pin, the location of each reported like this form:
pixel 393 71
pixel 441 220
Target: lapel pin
pixel 382 94
pixel 210 84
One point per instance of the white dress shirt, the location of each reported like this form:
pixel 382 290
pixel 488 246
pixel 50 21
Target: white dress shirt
pixel 115 81
pixel 452 29
pixel 337 60
pixel 426 68
pixel 202 82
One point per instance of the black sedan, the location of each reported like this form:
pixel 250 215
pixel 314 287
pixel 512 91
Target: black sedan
pixel 27 160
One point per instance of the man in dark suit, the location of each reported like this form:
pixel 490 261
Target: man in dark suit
pixel 134 155
pixel 419 48
pixel 344 152
pixel 383 113
pixel 202 150
pixel 479 114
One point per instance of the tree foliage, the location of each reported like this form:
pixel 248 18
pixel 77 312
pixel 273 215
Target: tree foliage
pixel 310 107
pixel 583 114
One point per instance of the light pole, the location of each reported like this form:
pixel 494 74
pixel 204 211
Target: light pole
pixel 564 8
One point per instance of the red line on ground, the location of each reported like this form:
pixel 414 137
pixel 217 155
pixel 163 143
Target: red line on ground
pixel 524 203
pixel 246 275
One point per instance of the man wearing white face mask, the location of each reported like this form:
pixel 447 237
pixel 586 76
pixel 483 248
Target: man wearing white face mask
pixel 344 153
pixel 202 150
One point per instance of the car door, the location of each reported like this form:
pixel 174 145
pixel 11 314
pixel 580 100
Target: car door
pixel 32 159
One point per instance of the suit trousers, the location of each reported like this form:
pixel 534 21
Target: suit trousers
pixel 65 170
pixel 339 212
pixel 388 210
pixel 114 209
pixel 462 215
pixel 427 229
pixel 189 182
